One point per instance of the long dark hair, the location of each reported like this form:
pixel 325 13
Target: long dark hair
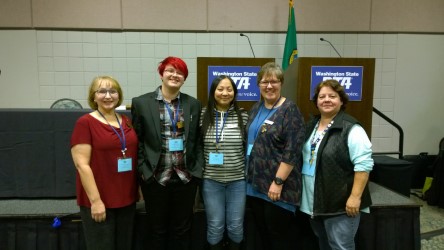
pixel 208 117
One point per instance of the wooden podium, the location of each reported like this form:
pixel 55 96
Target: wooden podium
pixel 297 86
pixel 202 74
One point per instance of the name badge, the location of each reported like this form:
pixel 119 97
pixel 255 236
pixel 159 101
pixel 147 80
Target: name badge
pixel 269 122
pixel 175 145
pixel 250 147
pixel 216 159
pixel 124 164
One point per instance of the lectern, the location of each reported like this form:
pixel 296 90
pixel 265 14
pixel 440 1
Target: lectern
pixel 297 83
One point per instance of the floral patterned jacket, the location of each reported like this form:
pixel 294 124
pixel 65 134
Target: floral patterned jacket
pixel 279 142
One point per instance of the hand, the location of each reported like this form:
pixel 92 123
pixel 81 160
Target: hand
pixel 274 192
pixel 98 211
pixel 352 206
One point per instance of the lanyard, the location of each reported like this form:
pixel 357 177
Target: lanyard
pixel 223 123
pixel 257 123
pixel 122 139
pixel 174 115
pixel 315 141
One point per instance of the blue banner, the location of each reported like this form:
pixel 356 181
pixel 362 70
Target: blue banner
pixel 245 78
pixel 350 77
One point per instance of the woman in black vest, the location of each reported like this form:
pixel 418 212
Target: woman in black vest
pixel 336 165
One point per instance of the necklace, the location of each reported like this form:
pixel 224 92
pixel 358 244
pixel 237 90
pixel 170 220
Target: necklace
pixel 122 139
pixel 315 141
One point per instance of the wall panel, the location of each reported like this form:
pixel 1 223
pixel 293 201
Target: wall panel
pixel 164 15
pixel 228 15
pixel 272 16
pixel 259 15
pixel 19 69
pixel 333 16
pixel 15 13
pixel 97 14
pixel 407 16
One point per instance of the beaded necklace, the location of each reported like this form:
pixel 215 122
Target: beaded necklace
pixel 315 141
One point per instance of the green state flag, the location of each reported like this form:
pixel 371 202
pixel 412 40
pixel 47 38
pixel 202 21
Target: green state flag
pixel 291 47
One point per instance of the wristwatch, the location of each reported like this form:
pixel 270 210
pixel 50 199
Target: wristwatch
pixel 278 180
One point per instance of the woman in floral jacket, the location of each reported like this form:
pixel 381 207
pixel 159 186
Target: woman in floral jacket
pixel 275 137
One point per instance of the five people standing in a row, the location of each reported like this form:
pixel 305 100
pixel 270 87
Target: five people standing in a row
pixel 263 160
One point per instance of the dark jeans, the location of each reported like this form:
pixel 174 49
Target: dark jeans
pixel 170 213
pixel 116 232
pixel 275 226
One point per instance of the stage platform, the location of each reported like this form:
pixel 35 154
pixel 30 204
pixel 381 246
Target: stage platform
pixel 27 224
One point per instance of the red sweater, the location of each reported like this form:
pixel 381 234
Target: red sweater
pixel 116 189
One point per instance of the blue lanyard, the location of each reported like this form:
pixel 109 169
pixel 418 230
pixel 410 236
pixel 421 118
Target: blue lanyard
pixel 174 116
pixel 259 124
pixel 122 139
pixel 217 129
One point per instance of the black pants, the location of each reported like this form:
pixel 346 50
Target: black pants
pixel 170 213
pixel 275 226
pixel 115 233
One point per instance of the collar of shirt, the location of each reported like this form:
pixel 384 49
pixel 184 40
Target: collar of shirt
pixel 159 95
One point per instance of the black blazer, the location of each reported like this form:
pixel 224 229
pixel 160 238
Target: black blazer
pixel 146 121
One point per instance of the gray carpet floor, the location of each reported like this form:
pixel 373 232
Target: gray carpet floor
pixel 432 224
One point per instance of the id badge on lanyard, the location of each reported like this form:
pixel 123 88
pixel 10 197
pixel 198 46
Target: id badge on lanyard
pixel 124 164
pixel 216 158
pixel 175 145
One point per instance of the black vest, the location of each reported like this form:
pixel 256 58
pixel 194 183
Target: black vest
pixel 334 169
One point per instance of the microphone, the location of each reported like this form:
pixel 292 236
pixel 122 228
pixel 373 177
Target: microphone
pixel 242 34
pixel 322 39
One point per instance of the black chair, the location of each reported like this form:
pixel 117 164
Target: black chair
pixel 422 168
pixel 435 195
pixel 66 103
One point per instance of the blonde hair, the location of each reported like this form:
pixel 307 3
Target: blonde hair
pixel 100 81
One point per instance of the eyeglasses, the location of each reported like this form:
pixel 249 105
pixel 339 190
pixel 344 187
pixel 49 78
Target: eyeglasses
pixel 172 71
pixel 102 92
pixel 265 83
